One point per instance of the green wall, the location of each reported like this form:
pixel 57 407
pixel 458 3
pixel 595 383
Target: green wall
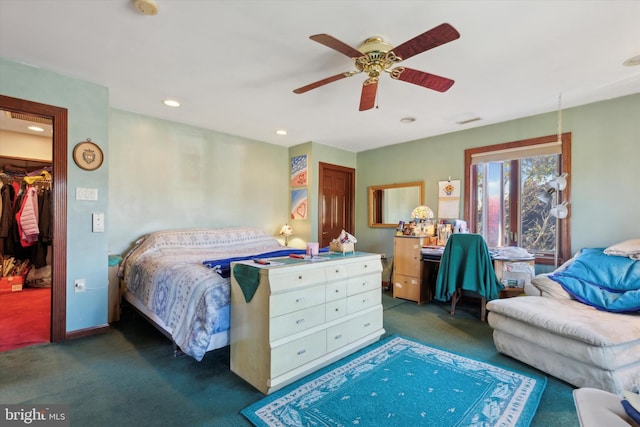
pixel 165 175
pixel 605 205
pixel 87 106
pixel 307 230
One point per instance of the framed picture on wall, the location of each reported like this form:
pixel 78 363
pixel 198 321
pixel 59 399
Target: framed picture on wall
pixel 299 204
pixel 88 155
pixel 299 171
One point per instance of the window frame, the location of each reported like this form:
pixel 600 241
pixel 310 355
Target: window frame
pixel 564 225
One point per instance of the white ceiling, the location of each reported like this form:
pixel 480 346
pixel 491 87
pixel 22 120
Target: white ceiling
pixel 234 64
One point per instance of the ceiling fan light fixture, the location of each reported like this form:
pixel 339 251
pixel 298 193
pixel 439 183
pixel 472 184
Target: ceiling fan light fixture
pixel 375 44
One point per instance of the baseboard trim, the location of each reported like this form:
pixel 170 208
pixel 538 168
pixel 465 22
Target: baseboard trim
pixel 95 330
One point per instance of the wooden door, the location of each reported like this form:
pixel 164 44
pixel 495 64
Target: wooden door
pixel 336 188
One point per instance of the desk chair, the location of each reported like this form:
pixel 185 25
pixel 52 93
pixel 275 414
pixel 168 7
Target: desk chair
pixel 466 268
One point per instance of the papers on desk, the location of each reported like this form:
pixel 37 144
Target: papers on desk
pixel 432 250
pixel 511 253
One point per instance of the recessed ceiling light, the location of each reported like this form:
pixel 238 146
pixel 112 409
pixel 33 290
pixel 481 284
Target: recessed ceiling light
pixel 281 132
pixel 634 60
pixel 407 119
pixel 35 129
pixel 171 103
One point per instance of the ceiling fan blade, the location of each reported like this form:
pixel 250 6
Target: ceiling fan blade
pixel 368 97
pixel 336 45
pixel 323 82
pixel 420 78
pixel 443 33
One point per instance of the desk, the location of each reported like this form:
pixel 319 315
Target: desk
pixel 431 264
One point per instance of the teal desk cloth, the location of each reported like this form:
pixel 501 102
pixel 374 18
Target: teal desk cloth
pixel 248 278
pixel 466 264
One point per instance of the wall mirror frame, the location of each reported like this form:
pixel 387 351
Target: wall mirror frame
pixel 391 203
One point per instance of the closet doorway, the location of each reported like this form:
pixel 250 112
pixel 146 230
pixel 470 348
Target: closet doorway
pixel 58 249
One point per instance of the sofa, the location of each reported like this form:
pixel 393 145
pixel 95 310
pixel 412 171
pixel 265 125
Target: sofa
pixel 555 328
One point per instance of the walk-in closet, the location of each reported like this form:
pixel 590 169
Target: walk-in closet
pixel 26 229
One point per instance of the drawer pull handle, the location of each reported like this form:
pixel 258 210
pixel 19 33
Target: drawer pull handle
pixel 364 300
pixel 364 283
pixel 366 325
pixel 300 277
pixel 299 299
pixel 303 351
pixel 299 321
pixel 337 309
pixel 365 266
pixel 337 337
pixel 337 270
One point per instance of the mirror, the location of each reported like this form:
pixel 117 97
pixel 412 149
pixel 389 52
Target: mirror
pixel 389 204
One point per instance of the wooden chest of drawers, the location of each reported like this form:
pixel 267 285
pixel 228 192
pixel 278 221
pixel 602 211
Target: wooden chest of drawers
pixel 303 316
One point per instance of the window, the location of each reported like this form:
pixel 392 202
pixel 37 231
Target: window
pixel 501 183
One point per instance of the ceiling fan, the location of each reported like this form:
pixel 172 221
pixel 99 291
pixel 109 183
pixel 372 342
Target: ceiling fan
pixel 375 56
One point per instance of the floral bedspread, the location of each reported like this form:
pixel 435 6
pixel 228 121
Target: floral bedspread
pixel 165 272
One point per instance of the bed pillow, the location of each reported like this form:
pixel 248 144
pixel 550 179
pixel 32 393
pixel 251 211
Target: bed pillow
pixel 549 288
pixel 628 248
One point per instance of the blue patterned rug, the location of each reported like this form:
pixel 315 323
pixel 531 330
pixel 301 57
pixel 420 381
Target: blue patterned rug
pixel 401 382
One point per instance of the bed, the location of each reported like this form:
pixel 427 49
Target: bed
pixel 176 279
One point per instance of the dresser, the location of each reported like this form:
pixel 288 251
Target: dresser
pixel 304 315
pixel 408 270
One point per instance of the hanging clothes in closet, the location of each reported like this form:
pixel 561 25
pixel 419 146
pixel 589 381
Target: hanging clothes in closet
pixel 25 219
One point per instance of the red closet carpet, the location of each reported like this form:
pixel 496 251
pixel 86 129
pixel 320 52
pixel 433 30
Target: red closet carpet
pixel 25 318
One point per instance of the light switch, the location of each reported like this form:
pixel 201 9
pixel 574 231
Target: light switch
pixel 86 193
pixel 98 222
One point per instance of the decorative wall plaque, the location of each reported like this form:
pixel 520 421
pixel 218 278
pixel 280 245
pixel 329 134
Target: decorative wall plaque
pixel 88 155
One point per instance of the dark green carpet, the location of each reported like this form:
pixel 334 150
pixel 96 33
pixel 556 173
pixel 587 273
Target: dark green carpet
pixel 129 377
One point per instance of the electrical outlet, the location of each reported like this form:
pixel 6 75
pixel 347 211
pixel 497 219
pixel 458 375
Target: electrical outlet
pixel 80 285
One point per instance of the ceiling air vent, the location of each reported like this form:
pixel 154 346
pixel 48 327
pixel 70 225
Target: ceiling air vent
pixel 464 122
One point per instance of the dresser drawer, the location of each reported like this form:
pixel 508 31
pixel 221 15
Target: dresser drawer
pixel 336 290
pixel 355 285
pixel 298 321
pixel 335 272
pixel 364 300
pixel 364 267
pixel 282 279
pixel 295 353
pixel 300 299
pixel 337 336
pixel 364 325
pixel 336 309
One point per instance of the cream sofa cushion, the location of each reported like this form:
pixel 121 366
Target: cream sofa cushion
pixel 549 288
pixel 568 327
pixel 628 248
